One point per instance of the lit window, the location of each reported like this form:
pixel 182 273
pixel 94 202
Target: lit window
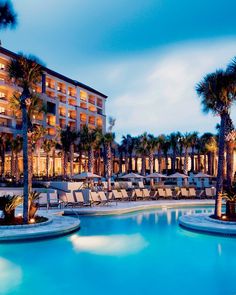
pixel 2 66
pixel 2 95
pixel 2 110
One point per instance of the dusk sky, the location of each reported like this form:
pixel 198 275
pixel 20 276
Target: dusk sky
pixel 146 55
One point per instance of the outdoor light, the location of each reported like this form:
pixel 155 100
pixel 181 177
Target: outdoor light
pixel 224 217
pixel 32 220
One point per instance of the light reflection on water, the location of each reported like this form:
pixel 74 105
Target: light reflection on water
pixel 109 245
pixel 10 276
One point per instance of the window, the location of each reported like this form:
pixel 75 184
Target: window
pixel 2 66
pixel 2 95
pixel 2 110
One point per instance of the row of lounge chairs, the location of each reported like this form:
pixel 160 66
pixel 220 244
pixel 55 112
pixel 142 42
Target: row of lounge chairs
pixel 102 198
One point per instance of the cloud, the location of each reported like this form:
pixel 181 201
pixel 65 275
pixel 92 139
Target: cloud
pixel 155 91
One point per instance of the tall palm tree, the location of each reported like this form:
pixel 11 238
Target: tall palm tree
pixel 194 142
pixel 48 145
pixel 121 151
pixel 4 143
pixel 37 138
pixel 7 15
pixel 26 73
pixel 217 95
pixel 186 144
pixel 160 142
pixel 141 149
pixel 107 140
pixel 125 143
pixel 174 141
pixel 151 148
pixel 68 139
pixel 16 147
pixel 165 150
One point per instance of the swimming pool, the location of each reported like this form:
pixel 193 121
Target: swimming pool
pixel 138 253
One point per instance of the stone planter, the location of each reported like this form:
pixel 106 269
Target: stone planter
pixel 231 209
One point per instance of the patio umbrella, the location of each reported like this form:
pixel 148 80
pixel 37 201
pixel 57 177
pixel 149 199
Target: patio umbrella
pixel 156 175
pixel 177 175
pixel 86 175
pixel 132 175
pixel 202 175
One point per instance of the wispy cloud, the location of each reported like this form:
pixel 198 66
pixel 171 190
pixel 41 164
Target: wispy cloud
pixel 155 92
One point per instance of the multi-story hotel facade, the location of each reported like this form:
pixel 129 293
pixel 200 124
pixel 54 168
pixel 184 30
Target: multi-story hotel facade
pixel 67 103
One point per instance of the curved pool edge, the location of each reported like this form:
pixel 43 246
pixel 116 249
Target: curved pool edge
pixel 129 207
pixel 203 224
pixel 59 226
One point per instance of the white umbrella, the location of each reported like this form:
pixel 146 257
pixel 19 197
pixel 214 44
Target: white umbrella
pixel 86 175
pixel 177 175
pixel 132 175
pixel 202 175
pixel 156 175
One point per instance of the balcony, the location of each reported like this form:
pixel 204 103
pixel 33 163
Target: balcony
pixel 99 111
pixel 62 114
pixel 99 103
pixel 6 113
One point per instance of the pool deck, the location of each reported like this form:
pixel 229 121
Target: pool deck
pixel 127 207
pixel 203 223
pixel 56 225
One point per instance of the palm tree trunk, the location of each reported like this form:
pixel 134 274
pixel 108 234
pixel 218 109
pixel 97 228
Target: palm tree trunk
pixel 186 162
pixel 80 161
pixel 136 164
pixel 126 163
pixel 25 160
pixel 30 161
pixel 219 180
pixel 166 163
pixel 209 155
pixel 205 163
pixel 192 160
pixel 53 162
pixel 71 160
pixel 143 165
pixel 173 161
pixel 16 168
pixel 108 166
pixel 130 163
pixel 199 161
pixel 120 162
pixel 151 163
pixel 47 165
pixel 13 173
pixel 230 162
pixel 90 159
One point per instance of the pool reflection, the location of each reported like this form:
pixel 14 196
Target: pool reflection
pixel 10 276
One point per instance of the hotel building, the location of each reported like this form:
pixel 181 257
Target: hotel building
pixel 67 102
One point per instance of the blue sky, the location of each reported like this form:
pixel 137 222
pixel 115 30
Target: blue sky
pixel 146 55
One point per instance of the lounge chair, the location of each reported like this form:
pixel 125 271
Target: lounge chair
pixel 184 192
pixel 146 193
pixel 43 200
pixel 210 192
pixel 69 200
pixel 124 194
pixel 140 184
pixel 103 198
pixel 117 195
pixel 95 198
pixel 192 192
pixel 169 193
pixel 138 193
pixel 80 199
pixel 53 200
pixel 161 192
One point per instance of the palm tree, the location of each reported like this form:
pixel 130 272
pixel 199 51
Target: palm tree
pixel 121 151
pixel 4 143
pixel 209 148
pixel 151 147
pixel 7 15
pixel 165 150
pixel 36 138
pixel 107 140
pixel 194 142
pixel 16 147
pixel 141 149
pixel 68 139
pixel 174 141
pixel 186 144
pixel 48 145
pixel 160 141
pixel 26 73
pixel 217 93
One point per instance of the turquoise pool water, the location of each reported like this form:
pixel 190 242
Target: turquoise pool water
pixel 139 253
